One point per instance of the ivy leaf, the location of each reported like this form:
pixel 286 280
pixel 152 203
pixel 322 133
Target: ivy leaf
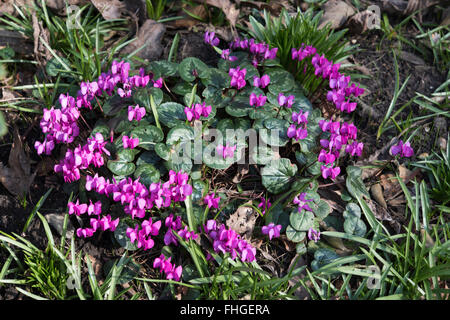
pixel 276 176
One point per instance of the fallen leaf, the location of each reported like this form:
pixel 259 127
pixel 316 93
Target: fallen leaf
pixel 243 220
pixel 336 13
pixel 242 171
pixel 231 12
pixel 383 214
pixel 377 194
pixel 16 178
pixel 411 58
pixel 363 21
pixel 406 7
pixel 150 34
pixel 109 9
pixel 297 262
pixel 188 21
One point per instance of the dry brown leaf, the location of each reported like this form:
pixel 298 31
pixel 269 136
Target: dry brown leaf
pixel 335 12
pixel 406 7
pixel 242 171
pixel 16 178
pixel 362 21
pixel 231 12
pixel 301 293
pixel 150 34
pixel 383 214
pixel 109 9
pixel 274 7
pixel 243 220
pixel 189 22
pixel 377 194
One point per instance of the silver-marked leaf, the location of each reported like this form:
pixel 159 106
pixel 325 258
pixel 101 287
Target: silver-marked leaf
pixel 301 221
pixel 277 175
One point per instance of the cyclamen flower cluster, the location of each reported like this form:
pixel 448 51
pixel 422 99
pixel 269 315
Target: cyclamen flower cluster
pixel 402 149
pixel 210 38
pixel 339 83
pixel 257 101
pixel 272 230
pixel 226 55
pixel 283 100
pixel 260 51
pixel 137 197
pixel 136 113
pixel 172 272
pixel 143 235
pixel 262 82
pixel 341 134
pixel 129 142
pixel 302 52
pixel 313 234
pixel 302 202
pixel 237 77
pixel 176 226
pixel 60 125
pixel 103 223
pixel 228 241
pixel 211 201
pixel 196 111
pixel 81 157
pixel 298 129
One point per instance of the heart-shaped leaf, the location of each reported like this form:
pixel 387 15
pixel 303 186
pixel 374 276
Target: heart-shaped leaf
pixel 301 221
pixel 191 68
pixel 147 173
pixel 171 114
pixel 121 168
pixel 294 235
pixel 276 176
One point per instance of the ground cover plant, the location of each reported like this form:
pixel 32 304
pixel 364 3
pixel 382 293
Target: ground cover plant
pixel 252 175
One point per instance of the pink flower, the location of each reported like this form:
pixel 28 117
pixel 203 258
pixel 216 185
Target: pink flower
pixel 257 101
pixel 129 142
pixel 402 149
pixel 330 172
pixel 211 201
pixel 262 82
pixel 302 202
pixel 265 204
pixel 136 113
pixel 272 230
pixel 77 208
pixel 313 234
pixel 226 151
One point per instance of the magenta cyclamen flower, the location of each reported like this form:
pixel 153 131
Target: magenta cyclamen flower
pixel 226 151
pixel 136 113
pixel 211 39
pixel 129 142
pixel 330 172
pixel 77 208
pixel 313 235
pixel 228 241
pixel 402 149
pixel 197 110
pixel 211 201
pixel 262 82
pixel 265 204
pixel 257 101
pixel 283 100
pixel 302 202
pixel 237 77
pixel 298 129
pixel 143 236
pixel 226 55
pixel 104 223
pixel 272 230
pixel 172 272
